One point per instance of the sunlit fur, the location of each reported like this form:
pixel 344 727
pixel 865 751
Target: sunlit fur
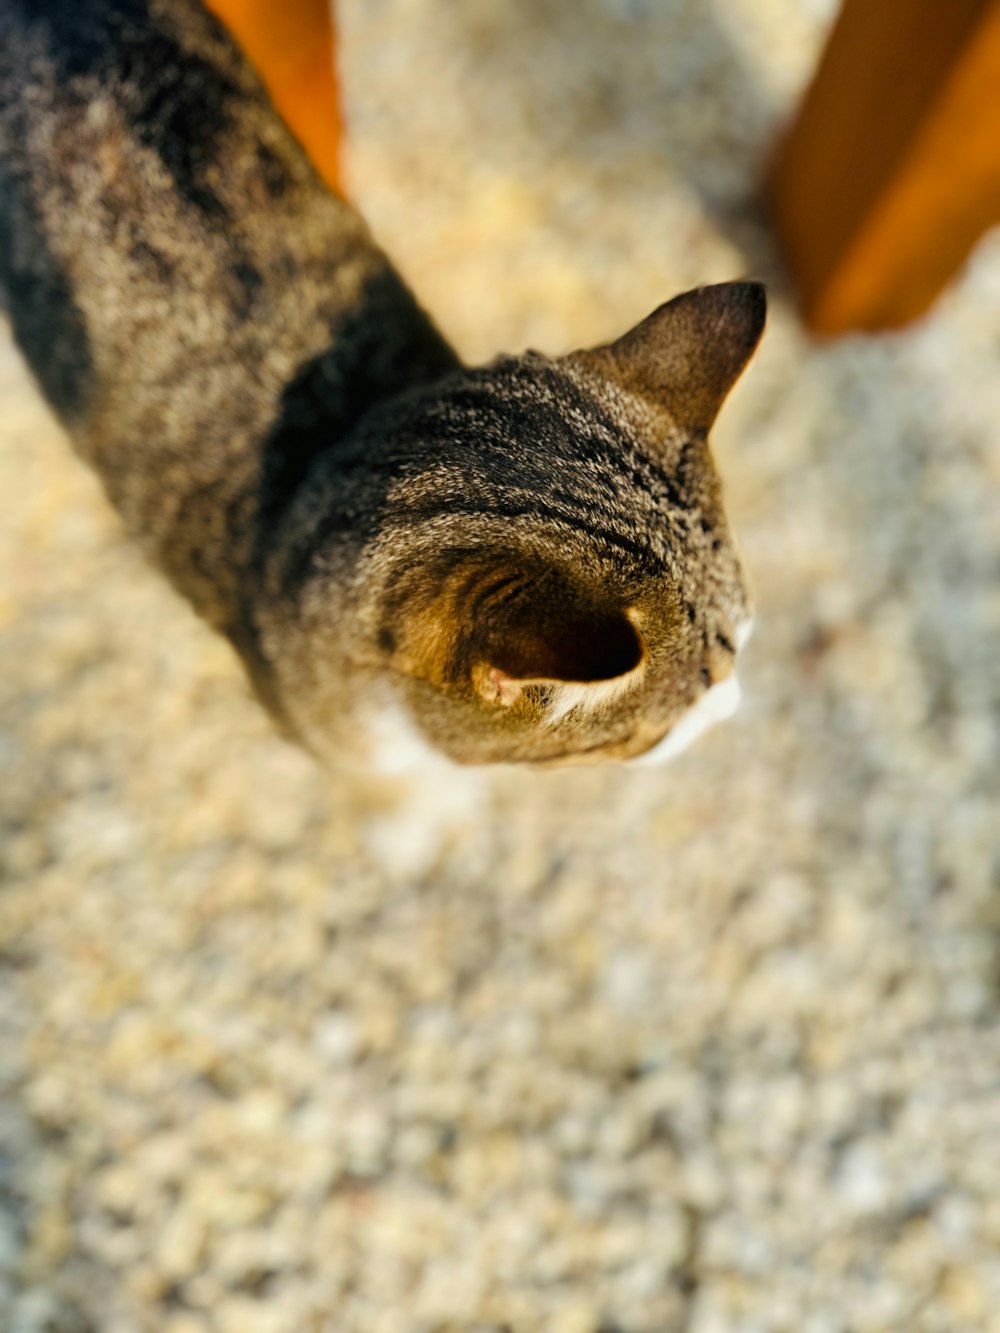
pixel 585 700
pixel 528 562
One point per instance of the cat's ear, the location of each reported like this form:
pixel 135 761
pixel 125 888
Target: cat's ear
pixel 501 625
pixel 688 354
pixel 573 648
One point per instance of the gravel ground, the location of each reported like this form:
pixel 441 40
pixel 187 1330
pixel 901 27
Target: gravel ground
pixel 712 1048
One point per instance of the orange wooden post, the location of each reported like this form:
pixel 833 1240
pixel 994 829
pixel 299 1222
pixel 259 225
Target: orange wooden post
pixel 291 45
pixel 891 171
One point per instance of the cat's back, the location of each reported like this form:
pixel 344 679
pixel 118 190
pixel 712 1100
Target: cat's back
pixel 172 267
pixel 156 209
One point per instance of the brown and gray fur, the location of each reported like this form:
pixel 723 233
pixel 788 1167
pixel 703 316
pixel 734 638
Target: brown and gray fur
pixel 528 562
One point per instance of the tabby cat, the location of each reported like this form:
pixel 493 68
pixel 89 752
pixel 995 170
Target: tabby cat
pixel 527 562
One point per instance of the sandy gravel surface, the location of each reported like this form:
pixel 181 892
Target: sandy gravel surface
pixel 713 1048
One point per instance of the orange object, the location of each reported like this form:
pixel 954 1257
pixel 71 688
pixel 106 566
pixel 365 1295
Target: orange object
pixel 891 170
pixel 291 44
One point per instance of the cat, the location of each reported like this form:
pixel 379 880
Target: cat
pixel 524 563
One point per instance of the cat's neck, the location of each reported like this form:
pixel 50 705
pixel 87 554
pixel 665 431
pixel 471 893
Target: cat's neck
pixel 384 345
pixel 204 460
pixel 204 315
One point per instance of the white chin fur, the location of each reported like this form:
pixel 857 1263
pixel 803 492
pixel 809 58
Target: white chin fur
pixel 743 632
pixel 588 698
pixel 715 705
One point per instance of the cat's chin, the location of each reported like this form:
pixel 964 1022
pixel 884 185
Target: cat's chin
pixel 715 705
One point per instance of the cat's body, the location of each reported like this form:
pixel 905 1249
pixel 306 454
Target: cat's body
pixel 529 561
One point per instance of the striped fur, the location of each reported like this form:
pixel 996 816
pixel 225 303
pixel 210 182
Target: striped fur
pixel 530 560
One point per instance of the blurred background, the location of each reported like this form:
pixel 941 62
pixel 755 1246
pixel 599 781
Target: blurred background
pixel 711 1048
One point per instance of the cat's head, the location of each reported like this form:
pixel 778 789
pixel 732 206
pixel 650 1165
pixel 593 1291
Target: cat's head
pixel 554 579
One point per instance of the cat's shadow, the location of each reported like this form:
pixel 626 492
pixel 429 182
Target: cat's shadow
pixel 660 83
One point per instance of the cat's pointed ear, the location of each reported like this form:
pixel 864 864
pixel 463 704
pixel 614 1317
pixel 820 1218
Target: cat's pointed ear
pixel 573 647
pixel 502 625
pixel 688 354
